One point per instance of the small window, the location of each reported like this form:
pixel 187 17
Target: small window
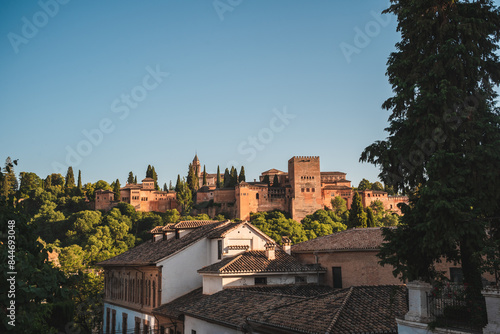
pixel 300 279
pixel 313 190
pixel 302 190
pixel 307 189
pixel 219 249
pixel 193 331
pixel 260 280
pixel 257 196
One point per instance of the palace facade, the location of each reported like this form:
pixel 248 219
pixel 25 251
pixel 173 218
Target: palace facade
pixel 300 191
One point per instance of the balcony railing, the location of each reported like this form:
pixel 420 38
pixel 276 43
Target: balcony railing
pixel 452 307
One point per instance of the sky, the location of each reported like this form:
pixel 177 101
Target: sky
pixel 110 87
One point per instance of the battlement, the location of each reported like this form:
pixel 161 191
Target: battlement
pixel 312 158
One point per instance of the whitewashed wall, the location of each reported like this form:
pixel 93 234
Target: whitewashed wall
pixel 203 327
pixel 130 318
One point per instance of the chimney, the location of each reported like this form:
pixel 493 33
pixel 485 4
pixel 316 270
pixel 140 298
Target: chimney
pixel 287 244
pixel 270 250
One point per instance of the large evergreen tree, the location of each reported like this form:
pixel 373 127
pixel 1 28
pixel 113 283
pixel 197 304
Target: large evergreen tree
pixel 357 215
pixel 227 178
pixel 443 146
pixel 116 190
pixel 70 178
pixel 242 177
pixel 178 183
pixel 192 178
pixel 219 183
pixel 204 176
pixel 80 180
pixel 130 179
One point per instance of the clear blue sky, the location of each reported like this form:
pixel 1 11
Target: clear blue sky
pixel 239 82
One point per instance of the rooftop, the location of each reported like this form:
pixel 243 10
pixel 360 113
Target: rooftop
pixel 257 262
pixel 149 252
pixel 352 239
pixel 361 309
pixel 297 308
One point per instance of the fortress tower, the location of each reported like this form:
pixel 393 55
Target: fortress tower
pixel 305 180
pixel 196 165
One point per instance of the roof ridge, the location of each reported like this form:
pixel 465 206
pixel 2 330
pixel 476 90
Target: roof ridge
pixel 230 262
pixel 341 308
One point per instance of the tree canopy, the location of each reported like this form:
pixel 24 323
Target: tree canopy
pixel 443 145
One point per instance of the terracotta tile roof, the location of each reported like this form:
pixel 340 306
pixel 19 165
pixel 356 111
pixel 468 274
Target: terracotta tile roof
pixel 273 171
pixel 150 252
pixel 352 239
pixel 186 224
pixel 296 290
pixel 257 262
pixel 333 173
pixel 163 229
pixel 361 309
pixel 148 179
pixel 171 309
pixel 231 307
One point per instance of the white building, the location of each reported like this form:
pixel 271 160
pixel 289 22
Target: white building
pixel 165 268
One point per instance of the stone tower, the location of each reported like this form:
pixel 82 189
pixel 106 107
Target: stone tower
pixel 305 179
pixel 196 165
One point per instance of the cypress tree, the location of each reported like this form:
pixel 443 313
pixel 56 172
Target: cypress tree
pixel 178 183
pixel 70 179
pixel 219 184
pixel 149 172
pixel 80 180
pixel 135 179
pixel 165 187
pixel 266 179
pixel 357 215
pixel 241 178
pixel 116 190
pixel 170 186
pixel 227 178
pixel 443 147
pixel 370 218
pixel 204 176
pixel 130 179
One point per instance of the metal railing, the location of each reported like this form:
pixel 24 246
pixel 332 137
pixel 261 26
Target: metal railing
pixel 452 307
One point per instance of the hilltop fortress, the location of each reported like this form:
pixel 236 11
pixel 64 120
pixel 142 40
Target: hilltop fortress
pixel 300 191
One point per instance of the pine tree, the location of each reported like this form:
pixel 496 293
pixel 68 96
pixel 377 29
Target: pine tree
pixel 443 147
pixel 357 215
pixel 9 183
pixel 70 178
pixel 116 190
pixel 130 179
pixel 219 183
pixel 241 178
pixel 204 176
